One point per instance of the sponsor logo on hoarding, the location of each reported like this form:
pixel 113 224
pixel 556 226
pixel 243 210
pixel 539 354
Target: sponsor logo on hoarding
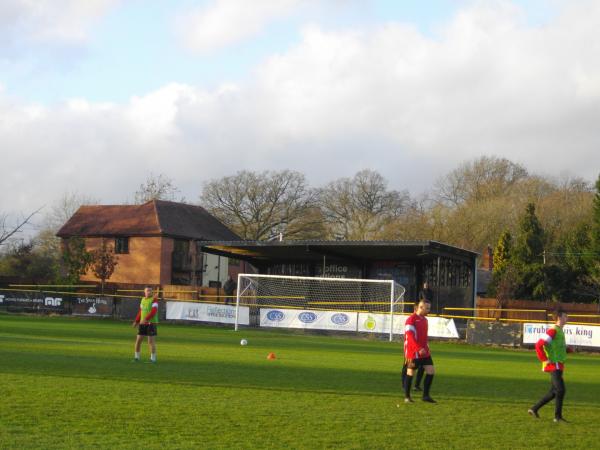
pixel 51 301
pixel 275 315
pixel 370 323
pixel 568 331
pixel 220 312
pixel 536 329
pixel 193 313
pixel 92 300
pixel 1 298
pixel 587 332
pixel 24 300
pixel 340 319
pixel 307 317
pixel 206 312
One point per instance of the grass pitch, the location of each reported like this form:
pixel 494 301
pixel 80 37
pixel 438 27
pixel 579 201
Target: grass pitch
pixel 71 383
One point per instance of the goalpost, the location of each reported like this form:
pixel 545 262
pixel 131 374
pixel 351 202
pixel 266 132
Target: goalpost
pixel 336 304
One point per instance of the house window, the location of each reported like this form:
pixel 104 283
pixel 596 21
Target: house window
pixel 121 245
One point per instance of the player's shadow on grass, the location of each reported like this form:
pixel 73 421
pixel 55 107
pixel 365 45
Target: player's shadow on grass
pixel 277 376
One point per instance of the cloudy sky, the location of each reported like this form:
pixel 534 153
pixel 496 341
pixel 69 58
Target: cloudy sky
pixel 95 95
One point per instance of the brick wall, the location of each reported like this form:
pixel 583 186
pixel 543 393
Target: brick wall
pixel 142 265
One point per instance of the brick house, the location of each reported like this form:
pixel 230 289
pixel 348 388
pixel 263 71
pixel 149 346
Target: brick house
pixel 156 242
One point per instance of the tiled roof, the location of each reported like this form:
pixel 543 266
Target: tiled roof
pixel 154 218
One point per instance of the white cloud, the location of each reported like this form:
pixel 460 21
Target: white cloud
pixel 224 22
pixel 153 115
pixel 49 21
pixel 488 84
pixel 391 99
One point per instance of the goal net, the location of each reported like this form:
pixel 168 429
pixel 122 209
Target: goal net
pixel 336 304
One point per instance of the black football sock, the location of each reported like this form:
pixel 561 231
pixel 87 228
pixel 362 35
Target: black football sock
pixel 427 385
pixel 420 373
pixel 407 385
pixel 404 370
pixel 559 405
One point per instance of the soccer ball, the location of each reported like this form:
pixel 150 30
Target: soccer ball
pixel 243 342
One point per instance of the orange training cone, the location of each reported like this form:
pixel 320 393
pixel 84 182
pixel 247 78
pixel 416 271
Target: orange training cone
pixel 271 356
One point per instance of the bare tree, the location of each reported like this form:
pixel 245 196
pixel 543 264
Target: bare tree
pixel 262 205
pixel 64 208
pixel 47 246
pixel 360 207
pixel 8 231
pixel 478 180
pixel 156 187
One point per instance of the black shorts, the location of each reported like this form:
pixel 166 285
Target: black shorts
pixel 419 362
pixel 147 330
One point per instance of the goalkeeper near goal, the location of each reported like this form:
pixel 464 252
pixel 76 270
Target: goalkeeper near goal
pixel 416 351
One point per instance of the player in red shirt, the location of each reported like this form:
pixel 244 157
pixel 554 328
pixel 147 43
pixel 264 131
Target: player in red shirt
pixel 552 350
pixel 416 350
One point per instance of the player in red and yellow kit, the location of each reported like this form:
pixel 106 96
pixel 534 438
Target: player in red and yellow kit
pixel 147 319
pixel 552 351
pixel 416 350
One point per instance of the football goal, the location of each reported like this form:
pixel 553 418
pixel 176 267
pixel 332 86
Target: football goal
pixel 336 304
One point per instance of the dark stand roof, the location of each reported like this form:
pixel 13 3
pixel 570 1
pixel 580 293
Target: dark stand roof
pixel 154 218
pixel 260 252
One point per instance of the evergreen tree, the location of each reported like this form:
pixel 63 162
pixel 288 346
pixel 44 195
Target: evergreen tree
pixel 577 249
pixel 592 281
pixel 503 251
pixel 595 233
pixel 571 263
pixel 502 284
pixel 529 247
pixel 528 257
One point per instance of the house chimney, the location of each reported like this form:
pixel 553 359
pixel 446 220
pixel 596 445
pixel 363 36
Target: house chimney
pixel 488 258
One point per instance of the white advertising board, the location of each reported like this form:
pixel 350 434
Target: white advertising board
pixel 583 335
pixel 380 323
pixel 442 327
pixel 207 312
pixel 301 318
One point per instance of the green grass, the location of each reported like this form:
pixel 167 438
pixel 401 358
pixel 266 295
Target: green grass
pixel 70 383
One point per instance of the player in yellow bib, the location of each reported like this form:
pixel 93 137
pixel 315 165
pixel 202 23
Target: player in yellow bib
pixel 146 321
pixel 552 351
